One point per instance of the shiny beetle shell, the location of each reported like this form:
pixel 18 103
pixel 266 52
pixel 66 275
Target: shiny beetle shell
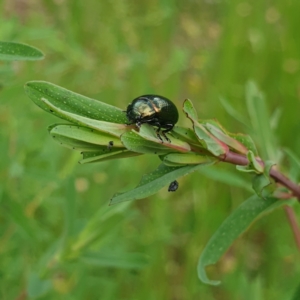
pixel 154 110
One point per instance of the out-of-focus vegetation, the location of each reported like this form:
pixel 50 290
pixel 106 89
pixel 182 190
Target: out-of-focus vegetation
pixel 114 52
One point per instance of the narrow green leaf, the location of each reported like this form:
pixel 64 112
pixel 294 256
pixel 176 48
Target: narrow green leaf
pixel 260 120
pixel 207 140
pixel 253 165
pixel 93 144
pixel 189 109
pixel 10 51
pixel 293 157
pixel 77 145
pixel 275 118
pixel 134 142
pixel 212 144
pixel 115 260
pixel 185 159
pixel 261 181
pixel 188 135
pixel 232 111
pixel 228 140
pixel 294 164
pixel 82 138
pixel 71 102
pixel 246 140
pixel 236 141
pixel 102 126
pixel 105 154
pixel 185 134
pixel 214 123
pixel 154 181
pixel 231 229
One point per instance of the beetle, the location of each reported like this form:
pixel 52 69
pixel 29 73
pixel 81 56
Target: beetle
pixel 154 110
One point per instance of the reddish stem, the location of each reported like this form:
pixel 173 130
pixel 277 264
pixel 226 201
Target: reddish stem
pixel 238 159
pixel 293 223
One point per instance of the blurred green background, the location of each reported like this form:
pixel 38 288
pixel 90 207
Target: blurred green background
pixel 58 237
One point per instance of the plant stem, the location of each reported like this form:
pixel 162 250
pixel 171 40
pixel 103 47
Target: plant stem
pixel 293 223
pixel 238 159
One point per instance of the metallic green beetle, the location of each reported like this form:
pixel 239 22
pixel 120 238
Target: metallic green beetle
pixel 154 110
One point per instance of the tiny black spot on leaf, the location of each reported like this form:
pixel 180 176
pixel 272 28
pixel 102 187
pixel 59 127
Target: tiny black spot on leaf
pixel 173 186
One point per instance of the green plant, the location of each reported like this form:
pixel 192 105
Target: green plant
pixel 99 131
pixel 94 126
pixel 11 51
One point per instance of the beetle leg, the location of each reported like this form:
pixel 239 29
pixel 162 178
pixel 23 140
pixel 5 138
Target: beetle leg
pixel 171 126
pixel 155 122
pixel 164 135
pixel 157 133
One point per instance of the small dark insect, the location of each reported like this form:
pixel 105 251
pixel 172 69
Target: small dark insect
pixel 173 186
pixel 110 145
pixel 154 110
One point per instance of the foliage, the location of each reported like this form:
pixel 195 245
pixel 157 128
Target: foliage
pixel 16 51
pixel 58 238
pixel 92 131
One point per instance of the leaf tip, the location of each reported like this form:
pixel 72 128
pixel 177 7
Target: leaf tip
pixel 203 276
